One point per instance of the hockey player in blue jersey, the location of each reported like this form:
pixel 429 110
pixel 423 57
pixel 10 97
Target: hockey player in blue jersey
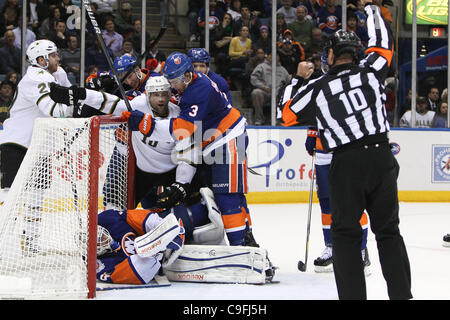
pixel 122 248
pixel 200 59
pixel 208 131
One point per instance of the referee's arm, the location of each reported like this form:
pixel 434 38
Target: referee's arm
pixel 380 45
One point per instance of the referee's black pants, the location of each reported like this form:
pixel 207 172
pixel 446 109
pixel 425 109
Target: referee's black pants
pixel 363 175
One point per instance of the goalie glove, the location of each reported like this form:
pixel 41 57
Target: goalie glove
pixel 172 195
pixel 67 95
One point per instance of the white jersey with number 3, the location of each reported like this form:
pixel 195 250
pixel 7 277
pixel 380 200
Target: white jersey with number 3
pixel 32 100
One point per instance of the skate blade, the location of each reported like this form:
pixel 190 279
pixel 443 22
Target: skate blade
pixel 324 269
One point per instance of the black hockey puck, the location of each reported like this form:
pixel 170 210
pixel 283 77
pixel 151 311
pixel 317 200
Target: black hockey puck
pixel 301 266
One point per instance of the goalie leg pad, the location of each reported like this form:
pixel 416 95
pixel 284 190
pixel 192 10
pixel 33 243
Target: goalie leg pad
pixel 157 239
pixel 220 264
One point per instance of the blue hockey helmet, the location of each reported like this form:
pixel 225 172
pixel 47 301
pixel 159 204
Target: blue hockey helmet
pixel 124 63
pixel 199 55
pixel 176 65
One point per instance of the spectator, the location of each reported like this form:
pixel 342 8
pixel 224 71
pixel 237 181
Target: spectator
pixel 49 23
pixel 444 95
pixel 289 36
pixel 13 77
pixel 155 53
pixel 258 58
pixel 38 12
pixel 240 51
pixel 29 35
pixel 221 44
pixel 359 11
pixel 124 20
pixel 106 7
pixel 59 34
pixel 127 47
pixel 288 11
pixel 96 57
pixel 433 99
pixel 9 20
pixel 290 56
pixel 6 95
pixel 136 36
pixel 424 117
pixel 361 32
pixel 329 18
pixel 281 26
pixel 10 55
pixel 70 59
pixel 302 27
pixel 261 80
pixel 215 16
pixel 256 7
pixel 64 5
pixel 440 120
pixel 113 39
pixel 316 43
pixel 194 7
pixel 235 9
pixel 250 21
pixel 264 40
pixel 13 4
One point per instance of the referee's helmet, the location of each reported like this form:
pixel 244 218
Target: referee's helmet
pixel 343 42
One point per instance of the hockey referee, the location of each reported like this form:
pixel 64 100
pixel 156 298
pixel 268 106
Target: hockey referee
pixel 347 104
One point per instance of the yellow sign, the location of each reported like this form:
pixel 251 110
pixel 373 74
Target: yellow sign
pixel 430 12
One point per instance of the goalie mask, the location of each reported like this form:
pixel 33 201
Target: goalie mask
pixel 40 48
pixel 105 243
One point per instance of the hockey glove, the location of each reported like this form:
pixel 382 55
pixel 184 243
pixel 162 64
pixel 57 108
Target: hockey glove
pixel 310 143
pixel 67 95
pixel 139 121
pixel 172 195
pixel 103 82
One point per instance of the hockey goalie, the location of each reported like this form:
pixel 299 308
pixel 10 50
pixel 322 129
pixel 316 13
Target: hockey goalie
pixel 187 243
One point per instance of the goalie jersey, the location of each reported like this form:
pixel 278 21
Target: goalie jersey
pixel 124 265
pixel 32 100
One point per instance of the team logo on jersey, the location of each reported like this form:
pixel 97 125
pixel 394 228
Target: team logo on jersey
pixel 441 164
pixel 128 243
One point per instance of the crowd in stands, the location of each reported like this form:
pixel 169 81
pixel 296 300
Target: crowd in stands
pixel 240 42
pixel 55 20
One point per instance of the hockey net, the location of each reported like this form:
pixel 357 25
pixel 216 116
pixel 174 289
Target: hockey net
pixel 48 223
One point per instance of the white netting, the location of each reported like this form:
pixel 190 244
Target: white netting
pixel 44 221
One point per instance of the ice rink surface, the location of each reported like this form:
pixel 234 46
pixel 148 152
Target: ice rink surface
pixel 281 229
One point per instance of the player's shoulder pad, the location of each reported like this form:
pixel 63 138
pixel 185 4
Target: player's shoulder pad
pixel 40 75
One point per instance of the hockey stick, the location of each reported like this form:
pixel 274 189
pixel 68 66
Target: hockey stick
pixel 302 266
pixel 99 35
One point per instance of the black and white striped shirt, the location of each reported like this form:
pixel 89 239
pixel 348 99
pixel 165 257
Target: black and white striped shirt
pixel 347 103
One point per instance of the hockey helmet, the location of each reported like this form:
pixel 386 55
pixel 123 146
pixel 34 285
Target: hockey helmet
pixel 342 42
pixel 177 64
pixel 40 48
pixel 157 84
pixel 199 55
pixel 124 63
pixel 105 243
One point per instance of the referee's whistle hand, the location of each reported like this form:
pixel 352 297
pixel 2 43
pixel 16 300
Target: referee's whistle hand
pixel 305 69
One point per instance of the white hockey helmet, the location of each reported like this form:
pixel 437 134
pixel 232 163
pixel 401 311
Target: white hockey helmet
pixel 105 243
pixel 157 84
pixel 40 48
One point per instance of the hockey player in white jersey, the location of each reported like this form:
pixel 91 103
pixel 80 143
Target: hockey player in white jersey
pixel 31 101
pixel 154 163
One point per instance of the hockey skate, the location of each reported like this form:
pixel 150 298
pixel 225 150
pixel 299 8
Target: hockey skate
pixel 324 263
pixel 446 240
